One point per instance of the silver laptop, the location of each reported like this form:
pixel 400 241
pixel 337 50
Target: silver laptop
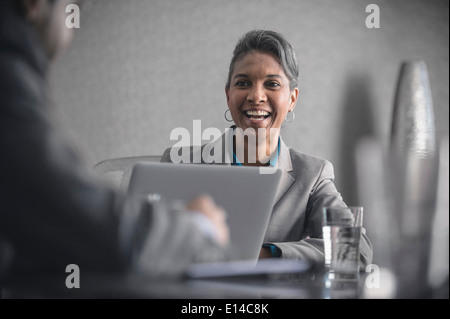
pixel 246 193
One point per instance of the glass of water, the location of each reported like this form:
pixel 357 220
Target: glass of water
pixel 341 236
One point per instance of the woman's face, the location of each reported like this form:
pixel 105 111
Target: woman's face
pixel 259 95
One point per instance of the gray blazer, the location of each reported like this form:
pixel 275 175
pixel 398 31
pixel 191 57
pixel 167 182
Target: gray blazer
pixel 306 186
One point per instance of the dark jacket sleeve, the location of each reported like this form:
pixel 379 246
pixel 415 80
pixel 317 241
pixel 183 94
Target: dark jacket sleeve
pixel 52 210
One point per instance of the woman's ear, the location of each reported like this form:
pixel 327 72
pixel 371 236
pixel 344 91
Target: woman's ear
pixel 294 97
pixel 227 93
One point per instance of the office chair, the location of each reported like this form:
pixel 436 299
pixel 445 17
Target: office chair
pixel 117 171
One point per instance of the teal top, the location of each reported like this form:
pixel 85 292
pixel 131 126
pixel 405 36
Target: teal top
pixel 275 251
pixel 272 162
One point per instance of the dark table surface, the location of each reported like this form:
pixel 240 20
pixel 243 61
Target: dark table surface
pixel 284 286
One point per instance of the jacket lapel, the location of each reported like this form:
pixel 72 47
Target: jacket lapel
pixel 285 165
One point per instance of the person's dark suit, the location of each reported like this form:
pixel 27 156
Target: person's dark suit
pixel 53 211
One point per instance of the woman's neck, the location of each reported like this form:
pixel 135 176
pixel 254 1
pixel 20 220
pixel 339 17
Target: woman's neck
pixel 254 150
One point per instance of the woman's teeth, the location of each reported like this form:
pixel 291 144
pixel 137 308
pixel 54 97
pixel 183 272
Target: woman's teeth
pixel 257 115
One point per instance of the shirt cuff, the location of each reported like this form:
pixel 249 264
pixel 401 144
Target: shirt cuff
pixel 203 223
pixel 274 250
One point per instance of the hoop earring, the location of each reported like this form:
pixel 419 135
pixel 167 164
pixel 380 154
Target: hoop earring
pixel 226 118
pixel 290 120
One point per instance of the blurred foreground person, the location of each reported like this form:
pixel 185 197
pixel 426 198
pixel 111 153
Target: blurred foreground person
pixel 52 211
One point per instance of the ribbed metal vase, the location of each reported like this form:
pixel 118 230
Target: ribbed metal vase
pixel 413 150
pixel 413 127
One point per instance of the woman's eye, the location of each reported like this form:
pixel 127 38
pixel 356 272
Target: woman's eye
pixel 273 84
pixel 242 83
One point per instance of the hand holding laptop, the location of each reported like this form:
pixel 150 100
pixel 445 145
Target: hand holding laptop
pixel 217 216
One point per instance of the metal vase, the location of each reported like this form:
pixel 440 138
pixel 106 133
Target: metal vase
pixel 413 128
pixel 413 177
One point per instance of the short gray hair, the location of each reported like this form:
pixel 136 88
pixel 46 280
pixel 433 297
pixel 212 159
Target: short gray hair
pixel 271 42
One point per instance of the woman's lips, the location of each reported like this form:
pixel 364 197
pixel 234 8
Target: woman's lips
pixel 256 119
pixel 257 115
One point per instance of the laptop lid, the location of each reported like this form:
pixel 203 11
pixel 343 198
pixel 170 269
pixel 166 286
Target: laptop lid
pixel 246 193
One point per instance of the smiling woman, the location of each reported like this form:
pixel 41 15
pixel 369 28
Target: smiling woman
pixel 259 96
pixel 261 91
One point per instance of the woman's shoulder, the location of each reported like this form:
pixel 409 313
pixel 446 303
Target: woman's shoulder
pixel 310 165
pixel 297 156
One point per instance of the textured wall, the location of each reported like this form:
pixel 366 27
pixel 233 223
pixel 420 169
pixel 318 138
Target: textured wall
pixel 139 68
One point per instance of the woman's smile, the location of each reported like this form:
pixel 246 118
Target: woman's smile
pixel 257 117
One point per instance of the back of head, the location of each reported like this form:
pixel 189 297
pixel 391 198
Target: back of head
pixel 19 38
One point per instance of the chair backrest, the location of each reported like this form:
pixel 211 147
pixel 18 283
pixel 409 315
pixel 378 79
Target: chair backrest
pixel 117 171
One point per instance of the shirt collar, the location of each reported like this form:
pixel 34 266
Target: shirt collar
pixel 273 158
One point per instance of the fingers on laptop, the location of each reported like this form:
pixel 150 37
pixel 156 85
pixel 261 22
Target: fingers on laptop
pixel 206 205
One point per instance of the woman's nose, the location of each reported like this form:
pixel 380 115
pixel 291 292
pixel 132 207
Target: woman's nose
pixel 257 95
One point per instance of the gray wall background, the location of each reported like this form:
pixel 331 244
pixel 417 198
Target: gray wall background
pixel 139 68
